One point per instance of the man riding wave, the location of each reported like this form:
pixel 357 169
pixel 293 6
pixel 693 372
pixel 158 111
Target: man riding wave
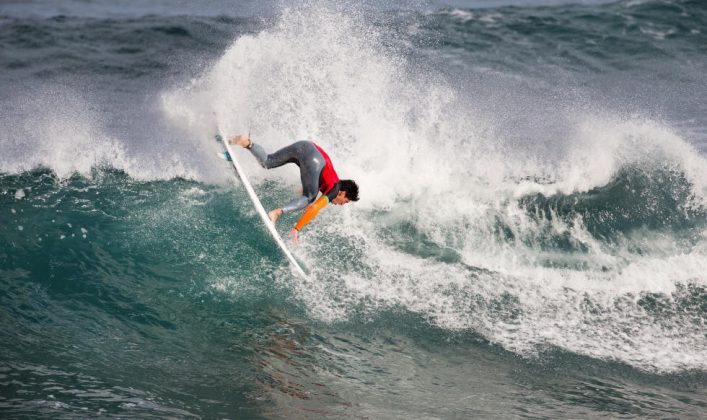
pixel 316 173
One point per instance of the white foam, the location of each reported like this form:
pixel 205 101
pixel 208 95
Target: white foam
pixel 462 15
pixel 57 132
pixel 59 128
pixel 423 159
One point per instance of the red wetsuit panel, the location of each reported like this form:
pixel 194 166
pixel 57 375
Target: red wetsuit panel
pixel 328 179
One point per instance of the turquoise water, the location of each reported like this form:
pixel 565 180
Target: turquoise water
pixel 531 239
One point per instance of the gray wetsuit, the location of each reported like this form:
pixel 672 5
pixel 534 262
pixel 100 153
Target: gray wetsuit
pixel 303 154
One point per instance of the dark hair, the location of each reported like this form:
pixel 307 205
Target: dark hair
pixel 350 188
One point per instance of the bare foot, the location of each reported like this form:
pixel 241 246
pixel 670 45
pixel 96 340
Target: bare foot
pixel 273 215
pixel 239 140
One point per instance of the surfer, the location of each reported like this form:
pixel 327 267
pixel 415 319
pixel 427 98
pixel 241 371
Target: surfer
pixel 317 175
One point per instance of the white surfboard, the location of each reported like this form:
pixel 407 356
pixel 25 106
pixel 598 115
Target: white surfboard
pixel 261 210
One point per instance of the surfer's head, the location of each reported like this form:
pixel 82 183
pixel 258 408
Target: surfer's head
pixel 348 191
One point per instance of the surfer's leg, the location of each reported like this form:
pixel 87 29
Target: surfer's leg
pixel 310 187
pixel 310 171
pixel 288 154
pixel 311 165
pixel 296 204
pixel 259 153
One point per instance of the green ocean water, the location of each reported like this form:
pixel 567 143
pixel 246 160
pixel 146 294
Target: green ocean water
pixel 151 299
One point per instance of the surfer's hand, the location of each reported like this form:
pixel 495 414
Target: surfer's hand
pixel 295 236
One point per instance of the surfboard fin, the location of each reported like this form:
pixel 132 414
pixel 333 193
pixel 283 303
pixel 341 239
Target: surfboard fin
pixel 224 156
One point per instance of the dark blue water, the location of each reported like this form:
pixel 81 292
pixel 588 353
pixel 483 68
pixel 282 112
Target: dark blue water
pixel 531 239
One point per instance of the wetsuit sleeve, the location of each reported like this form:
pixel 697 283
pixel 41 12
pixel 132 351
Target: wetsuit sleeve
pixel 312 211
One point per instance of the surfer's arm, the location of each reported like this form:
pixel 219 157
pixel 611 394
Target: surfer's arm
pixel 311 212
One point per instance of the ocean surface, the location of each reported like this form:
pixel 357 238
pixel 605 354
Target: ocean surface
pixel 531 239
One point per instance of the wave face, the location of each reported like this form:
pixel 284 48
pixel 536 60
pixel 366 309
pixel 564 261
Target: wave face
pixel 533 214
